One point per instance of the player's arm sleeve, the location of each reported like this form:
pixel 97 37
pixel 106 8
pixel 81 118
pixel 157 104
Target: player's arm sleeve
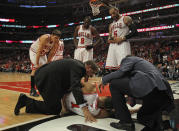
pixel 132 27
pixel 76 76
pixel 126 66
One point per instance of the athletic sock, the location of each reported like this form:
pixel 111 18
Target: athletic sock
pixel 32 83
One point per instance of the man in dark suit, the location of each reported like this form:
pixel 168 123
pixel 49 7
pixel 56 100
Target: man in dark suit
pixel 140 79
pixel 53 81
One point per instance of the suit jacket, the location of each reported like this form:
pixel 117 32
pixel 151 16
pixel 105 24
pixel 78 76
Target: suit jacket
pixel 60 77
pixel 144 76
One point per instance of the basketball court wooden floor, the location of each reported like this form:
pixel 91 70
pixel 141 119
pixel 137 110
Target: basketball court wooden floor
pixel 12 84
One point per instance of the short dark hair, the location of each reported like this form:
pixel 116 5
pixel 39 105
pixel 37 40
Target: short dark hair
pixel 57 33
pixel 93 65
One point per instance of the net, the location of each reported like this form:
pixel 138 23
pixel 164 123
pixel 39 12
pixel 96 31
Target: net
pixel 95 5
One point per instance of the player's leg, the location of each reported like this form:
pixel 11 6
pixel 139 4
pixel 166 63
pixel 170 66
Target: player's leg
pixel 122 50
pixel 78 54
pixel 111 62
pixel 87 55
pixel 33 61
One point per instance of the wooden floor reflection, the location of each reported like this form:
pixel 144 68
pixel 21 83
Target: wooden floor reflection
pixel 8 99
pixel 11 85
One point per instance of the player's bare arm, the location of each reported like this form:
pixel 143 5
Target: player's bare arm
pixel 96 34
pixel 51 54
pixel 43 40
pixel 110 38
pixel 127 20
pixel 75 36
pixel 52 51
pixel 88 116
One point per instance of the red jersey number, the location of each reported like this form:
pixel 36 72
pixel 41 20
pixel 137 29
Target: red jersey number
pixel 115 33
pixel 82 40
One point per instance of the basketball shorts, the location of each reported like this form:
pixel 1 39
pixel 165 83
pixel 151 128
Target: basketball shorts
pixel 83 55
pixel 42 59
pixel 116 53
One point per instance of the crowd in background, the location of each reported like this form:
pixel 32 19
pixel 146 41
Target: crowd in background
pixel 164 55
pixel 15 61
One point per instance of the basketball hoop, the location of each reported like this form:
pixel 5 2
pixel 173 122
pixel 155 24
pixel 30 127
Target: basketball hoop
pixel 95 4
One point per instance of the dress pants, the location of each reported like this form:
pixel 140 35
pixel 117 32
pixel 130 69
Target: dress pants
pixel 153 103
pixel 51 91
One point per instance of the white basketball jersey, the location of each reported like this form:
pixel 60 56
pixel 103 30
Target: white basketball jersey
pixel 92 101
pixel 85 36
pixel 34 47
pixel 58 52
pixel 119 28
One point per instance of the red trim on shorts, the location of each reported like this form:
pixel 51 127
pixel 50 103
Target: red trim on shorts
pixel 74 105
pixel 81 47
pixel 90 93
pixel 112 67
pixel 33 67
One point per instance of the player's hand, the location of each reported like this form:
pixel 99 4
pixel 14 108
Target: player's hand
pixel 88 116
pixel 101 86
pixel 110 41
pixel 38 66
pixel 119 39
pixel 89 47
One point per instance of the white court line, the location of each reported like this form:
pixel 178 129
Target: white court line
pixel 23 123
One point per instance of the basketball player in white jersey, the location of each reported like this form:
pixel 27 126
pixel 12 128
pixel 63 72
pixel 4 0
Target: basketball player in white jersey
pixel 56 53
pixel 120 31
pixel 38 51
pixel 84 45
pixel 99 106
pixel 93 100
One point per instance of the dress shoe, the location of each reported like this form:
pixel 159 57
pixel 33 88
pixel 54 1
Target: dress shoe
pixel 20 103
pixel 33 93
pixel 123 126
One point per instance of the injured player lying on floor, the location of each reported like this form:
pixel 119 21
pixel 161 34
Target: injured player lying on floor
pixel 99 106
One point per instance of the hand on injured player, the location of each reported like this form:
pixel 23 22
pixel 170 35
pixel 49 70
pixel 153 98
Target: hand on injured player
pixel 88 116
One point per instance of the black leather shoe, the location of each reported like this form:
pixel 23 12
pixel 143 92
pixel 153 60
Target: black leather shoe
pixel 33 93
pixel 123 126
pixel 20 103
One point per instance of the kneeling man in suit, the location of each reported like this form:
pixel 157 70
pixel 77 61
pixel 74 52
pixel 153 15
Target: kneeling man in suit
pixel 139 79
